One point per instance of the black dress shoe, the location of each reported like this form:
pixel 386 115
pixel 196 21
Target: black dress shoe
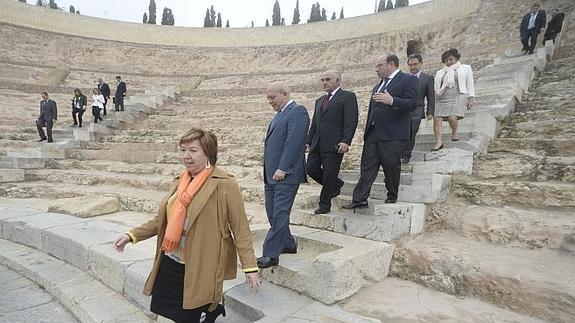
pixel 50 140
pixel 212 316
pixel 41 139
pixel 292 251
pixel 355 205
pixel 321 210
pixel 265 262
pixel 389 200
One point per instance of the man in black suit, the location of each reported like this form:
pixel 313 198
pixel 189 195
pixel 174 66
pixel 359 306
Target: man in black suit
pixel 426 95
pixel 530 27
pixel 554 26
pixel 387 130
pixel 332 128
pixel 105 90
pixel 48 115
pixel 120 94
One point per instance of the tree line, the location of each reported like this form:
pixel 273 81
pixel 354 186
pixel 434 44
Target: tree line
pixel 52 5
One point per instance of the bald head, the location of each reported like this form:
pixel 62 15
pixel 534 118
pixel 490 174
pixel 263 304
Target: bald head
pixel 278 94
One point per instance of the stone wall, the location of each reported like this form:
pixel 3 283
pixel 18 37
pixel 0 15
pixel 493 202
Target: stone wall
pixel 16 13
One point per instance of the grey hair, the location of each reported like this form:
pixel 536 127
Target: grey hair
pixel 280 86
pixel 335 73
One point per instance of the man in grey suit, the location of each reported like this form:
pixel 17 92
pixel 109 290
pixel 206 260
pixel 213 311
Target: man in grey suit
pixel 426 95
pixel 284 170
pixel 48 115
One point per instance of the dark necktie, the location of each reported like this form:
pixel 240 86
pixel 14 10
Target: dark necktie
pixel 325 103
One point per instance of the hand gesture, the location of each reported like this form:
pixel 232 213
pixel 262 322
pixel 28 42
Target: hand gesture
pixel 342 148
pixel 253 281
pixel 121 242
pixel 384 98
pixel 470 102
pixel 279 175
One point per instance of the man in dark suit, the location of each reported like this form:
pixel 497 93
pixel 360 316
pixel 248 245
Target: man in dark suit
pixel 48 115
pixel 554 26
pixel 120 94
pixel 530 27
pixel 426 95
pixel 284 170
pixel 387 130
pixel 105 91
pixel 332 128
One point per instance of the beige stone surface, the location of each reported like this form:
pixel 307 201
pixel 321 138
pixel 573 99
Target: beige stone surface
pixel 86 206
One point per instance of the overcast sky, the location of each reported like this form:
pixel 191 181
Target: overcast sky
pixel 240 13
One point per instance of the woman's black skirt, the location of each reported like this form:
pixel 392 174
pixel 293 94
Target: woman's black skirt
pixel 168 294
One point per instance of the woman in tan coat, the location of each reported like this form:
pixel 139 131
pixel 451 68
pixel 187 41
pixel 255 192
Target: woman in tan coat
pixel 201 227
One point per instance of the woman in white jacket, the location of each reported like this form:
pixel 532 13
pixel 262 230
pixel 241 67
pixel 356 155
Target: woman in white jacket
pixel 97 104
pixel 454 91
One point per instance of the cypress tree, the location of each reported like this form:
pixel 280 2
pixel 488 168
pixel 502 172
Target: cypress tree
pixel 22 1
pixel 381 6
pixel 167 17
pixel 71 9
pixel 333 16
pixel 389 5
pixel 152 12
pixel 53 5
pixel 341 14
pixel 295 20
pixel 212 16
pixel 323 14
pixel 276 16
pixel 219 21
pixel 145 19
pixel 207 20
pixel 40 3
pixel 227 24
pixel 267 22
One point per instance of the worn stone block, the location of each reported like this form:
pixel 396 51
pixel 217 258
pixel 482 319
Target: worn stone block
pixel 11 175
pixel 86 206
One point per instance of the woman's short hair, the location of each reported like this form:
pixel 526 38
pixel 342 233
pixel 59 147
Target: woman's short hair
pixel 78 91
pixel 97 91
pixel 450 52
pixel 208 142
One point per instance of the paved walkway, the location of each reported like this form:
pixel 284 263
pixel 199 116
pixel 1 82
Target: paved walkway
pixel 23 301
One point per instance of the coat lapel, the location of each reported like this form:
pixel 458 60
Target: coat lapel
pixel 332 101
pixel 280 117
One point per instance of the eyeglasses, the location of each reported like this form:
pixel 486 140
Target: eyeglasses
pixel 326 79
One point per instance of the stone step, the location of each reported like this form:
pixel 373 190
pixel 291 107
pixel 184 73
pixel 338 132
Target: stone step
pixel 385 223
pixel 512 226
pixel 21 300
pixel 84 296
pixel 514 192
pixel 550 147
pixel 170 170
pixel 478 143
pixel 533 282
pixel 132 199
pixel 517 166
pixel 131 157
pixel 445 136
pixel 43 151
pixel 398 300
pixel 8 175
pixel 81 177
pixel 329 266
pixel 66 237
pixel 273 303
pixel 422 189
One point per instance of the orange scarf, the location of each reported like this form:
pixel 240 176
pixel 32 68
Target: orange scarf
pixel 187 189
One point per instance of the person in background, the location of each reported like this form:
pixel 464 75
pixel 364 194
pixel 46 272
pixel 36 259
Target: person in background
pixel 105 91
pixel 79 103
pixel 201 228
pixel 530 27
pixel 554 26
pixel 120 94
pixel 387 130
pixel 454 91
pixel 426 98
pixel 47 118
pixel 332 128
pixel 97 104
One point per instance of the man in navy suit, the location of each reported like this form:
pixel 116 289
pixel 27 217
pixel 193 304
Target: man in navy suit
pixel 120 94
pixel 530 27
pixel 284 170
pixel 387 130
pixel 332 128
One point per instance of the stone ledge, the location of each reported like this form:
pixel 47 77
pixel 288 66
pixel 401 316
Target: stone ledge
pixel 329 266
pixel 8 175
pixel 89 300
